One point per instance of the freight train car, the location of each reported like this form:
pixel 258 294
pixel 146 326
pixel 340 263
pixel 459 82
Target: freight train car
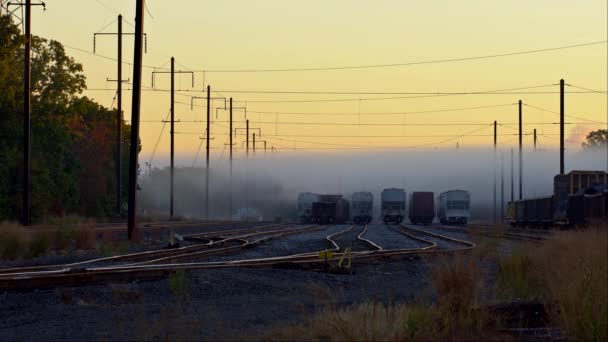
pixel 362 207
pixel 330 209
pixel 454 207
pixel 393 205
pixel 422 207
pixel 568 208
pixel 579 198
pixel 305 200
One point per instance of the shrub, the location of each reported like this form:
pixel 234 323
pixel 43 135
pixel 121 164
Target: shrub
pixel 13 240
pixel 39 245
pixel 177 282
pixel 86 237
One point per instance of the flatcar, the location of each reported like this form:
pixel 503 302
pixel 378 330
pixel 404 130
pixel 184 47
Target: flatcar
pixel 362 205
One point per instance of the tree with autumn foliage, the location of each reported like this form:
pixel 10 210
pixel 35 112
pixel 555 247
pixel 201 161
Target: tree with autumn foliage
pixel 596 139
pixel 72 137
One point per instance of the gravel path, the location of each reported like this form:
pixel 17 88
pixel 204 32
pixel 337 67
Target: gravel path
pixel 221 304
pixel 447 231
pixel 306 242
pixel 349 239
pixel 441 243
pixel 388 238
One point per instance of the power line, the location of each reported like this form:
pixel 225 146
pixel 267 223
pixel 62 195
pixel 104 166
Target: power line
pixel 368 124
pixel 570 116
pixel 436 61
pixel 587 89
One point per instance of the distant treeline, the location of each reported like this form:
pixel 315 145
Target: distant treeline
pixel 72 136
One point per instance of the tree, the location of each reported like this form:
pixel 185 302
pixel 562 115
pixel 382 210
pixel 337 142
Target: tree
pixel 72 140
pixel 596 139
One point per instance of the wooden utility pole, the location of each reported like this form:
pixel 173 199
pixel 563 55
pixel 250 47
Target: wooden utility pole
pixel 119 118
pixel 494 170
pixel 230 142
pixel 254 144
pixel 27 92
pixel 247 144
pixel 520 155
pixel 135 108
pixel 207 154
pixel 502 186
pixel 119 81
pixel 561 127
pixel 535 139
pixel 172 134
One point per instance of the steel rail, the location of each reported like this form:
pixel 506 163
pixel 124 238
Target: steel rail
pixel 126 257
pixel 154 271
pixel 512 234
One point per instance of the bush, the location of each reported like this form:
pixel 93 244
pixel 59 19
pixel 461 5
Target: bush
pixel 39 245
pixel 13 240
pixel 177 282
pixel 86 237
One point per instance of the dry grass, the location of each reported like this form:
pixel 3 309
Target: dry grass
pixel 14 240
pixel 569 274
pixel 70 232
pixel 456 280
pixel 573 267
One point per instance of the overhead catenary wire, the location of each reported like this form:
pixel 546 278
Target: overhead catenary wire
pixel 403 64
pixel 557 113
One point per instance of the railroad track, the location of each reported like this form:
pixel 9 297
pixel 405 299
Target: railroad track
pixel 354 241
pixel 153 255
pixel 165 265
pixel 510 233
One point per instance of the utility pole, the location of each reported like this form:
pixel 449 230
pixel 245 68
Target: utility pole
pixel 520 155
pixel 494 170
pixel 502 187
pixel 230 135
pixel 135 107
pixel 561 126
pixel 172 134
pixel 512 179
pixel 247 144
pixel 207 157
pixel 172 72
pixel 264 147
pixel 535 139
pixel 119 81
pixel 254 144
pixel 119 116
pixel 27 93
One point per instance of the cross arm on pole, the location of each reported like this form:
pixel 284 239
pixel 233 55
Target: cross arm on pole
pixel 115 34
pixel 175 72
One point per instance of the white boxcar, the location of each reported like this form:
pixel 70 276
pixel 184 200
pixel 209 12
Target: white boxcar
pixel 362 206
pixel 393 205
pixel 454 207
pixel 305 200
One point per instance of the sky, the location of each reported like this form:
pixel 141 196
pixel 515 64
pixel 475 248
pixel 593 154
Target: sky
pixel 215 36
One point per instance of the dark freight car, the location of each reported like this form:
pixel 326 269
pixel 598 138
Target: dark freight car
pixel 422 207
pixel 330 209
